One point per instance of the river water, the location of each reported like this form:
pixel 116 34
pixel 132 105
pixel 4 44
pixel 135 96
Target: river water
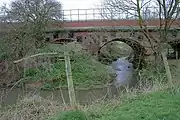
pixel 84 97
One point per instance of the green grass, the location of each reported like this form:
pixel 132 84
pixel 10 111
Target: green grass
pixel 71 115
pixel 161 105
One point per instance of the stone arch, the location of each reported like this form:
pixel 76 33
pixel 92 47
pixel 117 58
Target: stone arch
pixel 139 51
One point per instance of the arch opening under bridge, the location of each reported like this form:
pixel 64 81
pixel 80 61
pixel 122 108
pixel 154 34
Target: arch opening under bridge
pixel 138 50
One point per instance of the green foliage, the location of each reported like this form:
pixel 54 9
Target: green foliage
pixel 86 71
pixel 153 74
pixel 161 105
pixel 71 115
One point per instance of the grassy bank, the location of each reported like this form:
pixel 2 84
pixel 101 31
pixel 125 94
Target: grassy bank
pixel 159 105
pixel 153 99
pixel 87 72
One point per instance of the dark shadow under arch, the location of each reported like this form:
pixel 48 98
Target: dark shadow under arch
pixel 175 44
pixel 139 51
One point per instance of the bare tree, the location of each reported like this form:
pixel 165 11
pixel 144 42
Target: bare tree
pixel 166 11
pixel 27 20
pixel 113 9
pixel 33 11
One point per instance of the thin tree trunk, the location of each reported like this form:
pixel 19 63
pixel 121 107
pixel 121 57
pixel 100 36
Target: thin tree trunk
pixel 158 56
pixel 166 65
pixel 158 59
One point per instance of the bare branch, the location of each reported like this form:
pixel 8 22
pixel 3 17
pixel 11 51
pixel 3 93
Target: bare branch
pixel 36 55
pixel 145 4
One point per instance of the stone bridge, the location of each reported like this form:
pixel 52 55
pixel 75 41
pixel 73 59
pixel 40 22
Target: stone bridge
pixel 96 33
pixel 93 34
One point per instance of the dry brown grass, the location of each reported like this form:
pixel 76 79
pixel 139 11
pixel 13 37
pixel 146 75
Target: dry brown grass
pixel 30 108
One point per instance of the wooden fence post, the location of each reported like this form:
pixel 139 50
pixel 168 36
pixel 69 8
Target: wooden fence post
pixel 71 90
